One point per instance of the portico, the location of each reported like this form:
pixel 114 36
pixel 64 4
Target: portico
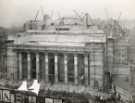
pixel 60 67
pixel 52 60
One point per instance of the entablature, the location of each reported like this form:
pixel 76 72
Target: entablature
pixel 55 49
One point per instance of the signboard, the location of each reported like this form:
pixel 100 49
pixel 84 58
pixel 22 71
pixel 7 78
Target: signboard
pixel 40 100
pixel 18 98
pixel 57 100
pixel 12 98
pixel 48 100
pixel 26 99
pixel 1 95
pixel 6 96
pixel 32 99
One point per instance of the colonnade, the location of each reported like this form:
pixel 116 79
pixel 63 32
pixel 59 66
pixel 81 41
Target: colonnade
pixel 46 67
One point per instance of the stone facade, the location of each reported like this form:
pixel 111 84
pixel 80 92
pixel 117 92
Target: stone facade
pixel 65 56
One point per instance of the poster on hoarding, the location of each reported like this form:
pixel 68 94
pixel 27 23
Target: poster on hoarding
pixel 26 99
pixel 40 99
pixel 48 100
pixel 12 98
pixel 57 100
pixel 32 99
pixel 19 98
pixel 6 96
pixel 1 95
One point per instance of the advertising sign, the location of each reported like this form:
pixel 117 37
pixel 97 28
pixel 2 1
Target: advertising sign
pixel 19 98
pixel 48 100
pixel 32 99
pixel 57 100
pixel 1 92
pixel 40 99
pixel 12 98
pixel 6 95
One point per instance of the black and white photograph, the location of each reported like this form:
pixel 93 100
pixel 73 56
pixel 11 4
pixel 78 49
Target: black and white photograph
pixel 67 51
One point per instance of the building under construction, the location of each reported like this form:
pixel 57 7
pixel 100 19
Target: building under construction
pixel 68 56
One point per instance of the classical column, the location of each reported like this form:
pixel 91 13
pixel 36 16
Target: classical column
pixel 37 65
pixel 92 68
pixel 29 65
pixel 75 69
pixel 46 67
pixel 20 65
pixel 65 68
pixel 86 68
pixel 56 67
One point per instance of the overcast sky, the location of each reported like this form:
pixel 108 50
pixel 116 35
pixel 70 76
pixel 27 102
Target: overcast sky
pixel 14 12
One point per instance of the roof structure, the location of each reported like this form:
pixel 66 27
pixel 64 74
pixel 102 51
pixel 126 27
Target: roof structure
pixel 65 31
